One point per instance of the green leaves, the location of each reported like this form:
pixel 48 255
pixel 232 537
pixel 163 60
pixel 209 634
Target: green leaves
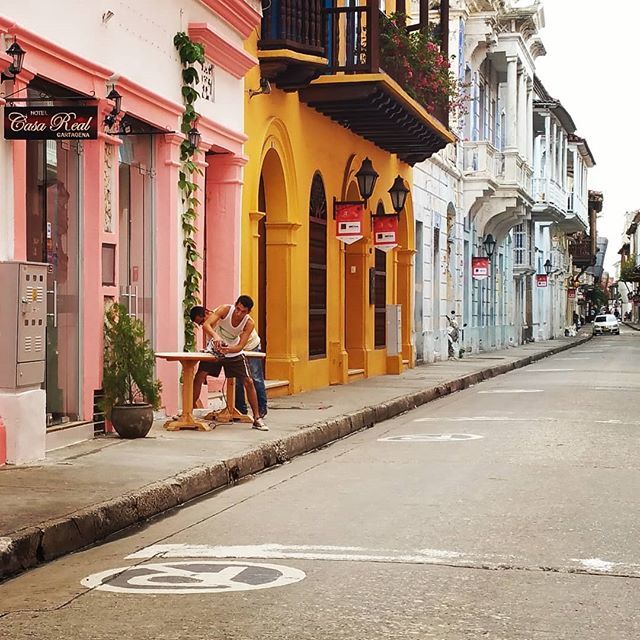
pixel 190 53
pixel 128 374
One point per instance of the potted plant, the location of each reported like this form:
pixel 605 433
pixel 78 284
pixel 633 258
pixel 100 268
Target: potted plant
pixel 131 390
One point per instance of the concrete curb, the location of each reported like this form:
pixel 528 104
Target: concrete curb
pixel 27 548
pixel 626 324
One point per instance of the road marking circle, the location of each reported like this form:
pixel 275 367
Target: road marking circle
pixel 193 577
pixel 432 437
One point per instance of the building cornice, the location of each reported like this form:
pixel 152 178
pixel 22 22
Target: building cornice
pixel 238 14
pixel 220 51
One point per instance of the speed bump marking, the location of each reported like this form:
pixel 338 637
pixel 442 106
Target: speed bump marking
pixel 193 577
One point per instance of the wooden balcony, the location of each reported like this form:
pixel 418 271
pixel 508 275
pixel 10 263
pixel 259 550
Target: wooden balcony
pixel 292 45
pixel 333 58
pixel 581 253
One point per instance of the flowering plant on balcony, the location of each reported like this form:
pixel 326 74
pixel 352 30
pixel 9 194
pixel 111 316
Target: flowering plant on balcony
pixel 415 61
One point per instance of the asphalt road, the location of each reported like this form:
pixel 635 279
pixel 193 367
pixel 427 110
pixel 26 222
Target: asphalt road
pixel 507 511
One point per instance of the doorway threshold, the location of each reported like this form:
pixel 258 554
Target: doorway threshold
pixel 68 433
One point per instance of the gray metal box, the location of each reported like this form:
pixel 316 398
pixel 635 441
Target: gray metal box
pixel 394 329
pixel 23 324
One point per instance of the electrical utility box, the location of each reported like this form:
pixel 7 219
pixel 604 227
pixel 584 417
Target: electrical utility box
pixel 394 329
pixel 23 324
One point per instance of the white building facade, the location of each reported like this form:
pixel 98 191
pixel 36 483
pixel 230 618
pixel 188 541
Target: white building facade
pixel 560 212
pixel 515 186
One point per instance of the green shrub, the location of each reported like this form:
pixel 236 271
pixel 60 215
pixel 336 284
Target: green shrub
pixel 128 375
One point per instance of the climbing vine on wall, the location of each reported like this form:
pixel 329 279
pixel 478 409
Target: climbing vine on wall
pixel 191 53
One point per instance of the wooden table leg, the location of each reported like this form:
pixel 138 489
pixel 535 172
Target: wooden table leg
pixel 230 413
pixel 186 419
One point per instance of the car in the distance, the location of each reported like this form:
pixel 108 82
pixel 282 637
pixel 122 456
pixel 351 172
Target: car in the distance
pixel 606 323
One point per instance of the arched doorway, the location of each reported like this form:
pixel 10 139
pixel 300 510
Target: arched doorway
pixel 261 316
pixel 317 332
pixel 275 244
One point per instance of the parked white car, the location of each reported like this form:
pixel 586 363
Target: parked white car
pixel 607 323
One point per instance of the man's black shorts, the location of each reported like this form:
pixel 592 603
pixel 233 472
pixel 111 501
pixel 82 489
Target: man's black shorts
pixel 235 367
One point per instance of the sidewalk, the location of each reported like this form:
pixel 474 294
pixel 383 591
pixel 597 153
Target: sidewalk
pixel 83 493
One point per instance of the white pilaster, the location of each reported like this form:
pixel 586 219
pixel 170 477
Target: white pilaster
pixel 512 102
pixel 565 151
pixel 554 151
pixel 529 121
pixel 522 114
pixel 547 149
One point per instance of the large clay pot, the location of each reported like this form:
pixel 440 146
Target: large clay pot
pixel 132 420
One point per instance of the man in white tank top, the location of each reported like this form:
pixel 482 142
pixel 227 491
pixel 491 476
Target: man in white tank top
pixel 228 329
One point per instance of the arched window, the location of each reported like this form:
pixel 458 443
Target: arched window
pixel 317 269
pixel 380 298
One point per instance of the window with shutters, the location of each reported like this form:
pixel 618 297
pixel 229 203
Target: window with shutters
pixel 317 269
pixel 380 298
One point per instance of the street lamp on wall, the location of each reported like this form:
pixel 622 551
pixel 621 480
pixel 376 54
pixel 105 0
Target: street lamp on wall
pixel 548 267
pixel 116 98
pixel 489 245
pixel 194 137
pixel 17 58
pixel 398 193
pixel 367 177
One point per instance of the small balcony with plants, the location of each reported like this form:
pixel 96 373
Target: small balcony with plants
pixel 387 81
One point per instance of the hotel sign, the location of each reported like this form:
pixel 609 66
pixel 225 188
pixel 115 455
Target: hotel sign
pixel 51 123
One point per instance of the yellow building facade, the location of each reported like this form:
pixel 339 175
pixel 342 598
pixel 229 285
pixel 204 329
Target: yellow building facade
pixel 301 160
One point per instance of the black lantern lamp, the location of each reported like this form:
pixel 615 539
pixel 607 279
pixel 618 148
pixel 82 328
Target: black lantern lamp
pixel 398 193
pixel 116 98
pixel 17 54
pixel 194 137
pixel 366 177
pixel 548 267
pixel 489 245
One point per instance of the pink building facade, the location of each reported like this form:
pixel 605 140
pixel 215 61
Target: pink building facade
pixel 104 213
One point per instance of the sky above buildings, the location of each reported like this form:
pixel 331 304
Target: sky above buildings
pixel 592 67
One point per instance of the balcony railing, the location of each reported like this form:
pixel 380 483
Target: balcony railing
pixel 483 158
pixel 297 25
pixel 354 46
pixel 579 208
pixel 518 172
pixel 549 191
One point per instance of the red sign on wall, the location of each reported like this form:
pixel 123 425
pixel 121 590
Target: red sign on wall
pixel 349 221
pixel 571 293
pixel 480 268
pixel 541 280
pixel 51 123
pixel 385 232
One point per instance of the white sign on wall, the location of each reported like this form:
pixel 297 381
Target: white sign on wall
pixel 207 84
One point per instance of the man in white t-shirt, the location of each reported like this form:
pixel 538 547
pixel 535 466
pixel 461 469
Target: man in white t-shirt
pixel 227 330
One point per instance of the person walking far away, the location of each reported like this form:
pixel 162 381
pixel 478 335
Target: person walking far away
pixel 227 330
